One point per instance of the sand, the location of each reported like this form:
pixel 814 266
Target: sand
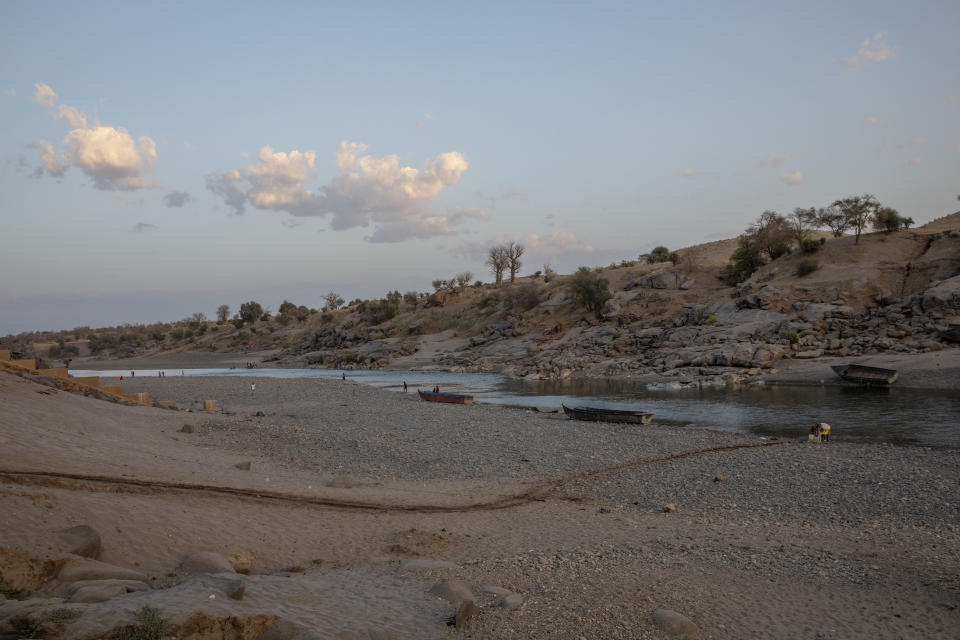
pixel 358 501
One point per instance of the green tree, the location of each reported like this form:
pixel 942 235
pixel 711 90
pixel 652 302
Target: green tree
pixel 250 311
pixel 659 254
pixel 744 261
pixel 223 313
pixel 771 233
pixel 589 290
pixel 287 308
pixel 888 219
pixel 858 211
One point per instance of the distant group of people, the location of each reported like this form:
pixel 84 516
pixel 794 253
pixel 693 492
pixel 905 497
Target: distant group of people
pixel 251 365
pixel 819 432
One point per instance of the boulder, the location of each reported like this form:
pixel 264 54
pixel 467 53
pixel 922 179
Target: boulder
pixel 129 586
pixel 188 428
pixel 85 569
pixel 944 297
pixel 455 591
pixel 810 353
pixel 673 623
pixel 611 309
pixel 205 562
pixel 81 540
pixel 659 281
pixel 105 590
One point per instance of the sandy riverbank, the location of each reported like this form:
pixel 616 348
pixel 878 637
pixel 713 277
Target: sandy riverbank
pixel 358 501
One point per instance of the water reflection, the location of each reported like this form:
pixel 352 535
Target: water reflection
pixel 865 414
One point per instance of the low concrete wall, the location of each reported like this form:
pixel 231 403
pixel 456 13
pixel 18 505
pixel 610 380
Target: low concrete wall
pixel 29 363
pixel 4 354
pixel 91 381
pixel 55 373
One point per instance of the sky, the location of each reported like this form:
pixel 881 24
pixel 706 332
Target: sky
pixel 158 160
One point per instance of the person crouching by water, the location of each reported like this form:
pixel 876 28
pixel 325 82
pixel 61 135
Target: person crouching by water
pixel 819 432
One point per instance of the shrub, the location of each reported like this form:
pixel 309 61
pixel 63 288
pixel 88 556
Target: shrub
pixel 150 625
pixel 410 297
pixel 712 319
pixel 243 336
pixel 524 297
pixel 589 290
pixel 793 338
pixel 811 246
pixel 492 299
pixel 807 266
pixel 238 323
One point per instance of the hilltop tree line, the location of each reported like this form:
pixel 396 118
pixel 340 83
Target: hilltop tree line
pixel 773 235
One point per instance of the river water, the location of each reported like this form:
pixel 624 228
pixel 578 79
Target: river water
pixel 860 414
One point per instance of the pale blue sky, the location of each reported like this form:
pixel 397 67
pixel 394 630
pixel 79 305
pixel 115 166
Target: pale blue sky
pixel 590 134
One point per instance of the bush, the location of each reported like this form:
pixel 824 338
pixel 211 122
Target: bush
pixel 150 625
pixel 807 266
pixel 238 323
pixel 793 338
pixel 811 246
pixel 243 336
pixel 659 254
pixel 524 297
pixel 746 259
pixel 589 290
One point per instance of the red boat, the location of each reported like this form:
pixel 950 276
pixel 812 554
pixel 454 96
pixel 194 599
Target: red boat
pixel 451 398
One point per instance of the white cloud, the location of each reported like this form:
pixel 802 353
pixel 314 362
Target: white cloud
pixel 369 190
pixel 143 227
pixel 871 50
pixel 792 178
pixel 425 121
pixel 177 198
pixel 774 160
pixel 187 145
pixel 688 173
pixel 72 115
pixel 44 96
pixel 108 155
pixel 877 120
pixel 556 240
pixel 48 157
pixel 10 92
pixel 914 161
pixel 950 99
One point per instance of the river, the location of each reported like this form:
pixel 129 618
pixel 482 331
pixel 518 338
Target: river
pixel 858 414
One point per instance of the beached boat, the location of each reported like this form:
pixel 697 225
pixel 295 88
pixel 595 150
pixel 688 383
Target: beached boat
pixel 592 414
pixel 451 398
pixel 866 375
pixel 952 334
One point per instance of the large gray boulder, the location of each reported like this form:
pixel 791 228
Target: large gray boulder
pixel 205 562
pixel 81 540
pixel 85 569
pixel 944 297
pixel 673 623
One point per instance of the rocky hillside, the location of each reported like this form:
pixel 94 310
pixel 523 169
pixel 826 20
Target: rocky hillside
pixel 891 293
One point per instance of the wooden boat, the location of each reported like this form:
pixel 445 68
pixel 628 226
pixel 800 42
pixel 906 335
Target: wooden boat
pixel 451 398
pixel 952 334
pixel 866 375
pixel 592 414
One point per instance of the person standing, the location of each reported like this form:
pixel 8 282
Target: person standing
pixel 253 387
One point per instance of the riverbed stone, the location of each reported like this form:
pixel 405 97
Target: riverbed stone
pixel 205 562
pixel 81 540
pixel 673 623
pixel 86 569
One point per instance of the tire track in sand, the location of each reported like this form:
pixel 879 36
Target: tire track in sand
pixel 538 491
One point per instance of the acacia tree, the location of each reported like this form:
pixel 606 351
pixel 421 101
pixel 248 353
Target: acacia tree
pixel 858 211
pixel 832 219
pixel 250 311
pixel 497 261
pixel 801 222
pixel 332 301
pixel 771 233
pixel 223 313
pixel 513 251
